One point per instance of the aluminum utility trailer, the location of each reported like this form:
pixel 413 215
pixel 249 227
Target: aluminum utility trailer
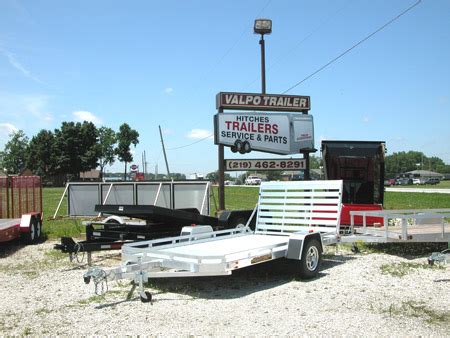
pixel 294 220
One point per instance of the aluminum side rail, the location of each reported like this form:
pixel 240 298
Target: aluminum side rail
pixel 425 225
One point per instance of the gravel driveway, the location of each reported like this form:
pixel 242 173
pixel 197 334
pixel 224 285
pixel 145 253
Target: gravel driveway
pixel 355 294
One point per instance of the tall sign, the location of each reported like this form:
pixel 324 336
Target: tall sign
pixel 278 129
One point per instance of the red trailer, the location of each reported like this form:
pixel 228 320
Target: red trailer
pixel 21 208
pixel 360 164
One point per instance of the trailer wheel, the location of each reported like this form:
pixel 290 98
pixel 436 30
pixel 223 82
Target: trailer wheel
pixel 311 259
pixel 38 230
pixel 30 237
pixel 147 298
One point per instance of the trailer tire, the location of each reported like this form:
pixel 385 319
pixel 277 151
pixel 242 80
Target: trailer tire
pixel 311 259
pixel 30 237
pixel 147 298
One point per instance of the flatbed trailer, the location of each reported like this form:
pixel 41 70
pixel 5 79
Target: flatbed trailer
pixel 128 223
pixel 295 220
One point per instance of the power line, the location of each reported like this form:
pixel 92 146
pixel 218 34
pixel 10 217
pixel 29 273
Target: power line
pixel 190 144
pixel 354 46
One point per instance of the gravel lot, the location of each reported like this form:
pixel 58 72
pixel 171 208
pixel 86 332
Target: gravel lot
pixel 43 294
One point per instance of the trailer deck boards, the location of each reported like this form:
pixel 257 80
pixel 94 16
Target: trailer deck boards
pixel 8 223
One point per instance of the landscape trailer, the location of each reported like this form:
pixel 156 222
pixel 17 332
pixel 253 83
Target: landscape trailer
pixel 20 208
pixel 294 220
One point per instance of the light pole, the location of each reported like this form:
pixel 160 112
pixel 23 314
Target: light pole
pixel 263 26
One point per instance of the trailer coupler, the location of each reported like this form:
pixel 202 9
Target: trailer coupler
pixel 439 257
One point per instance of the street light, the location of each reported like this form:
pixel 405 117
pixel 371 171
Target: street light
pixel 263 26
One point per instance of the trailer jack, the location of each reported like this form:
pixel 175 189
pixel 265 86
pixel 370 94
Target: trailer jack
pixel 99 277
pixel 439 257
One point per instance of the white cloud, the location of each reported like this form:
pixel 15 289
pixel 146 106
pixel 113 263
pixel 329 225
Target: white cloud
pixel 16 64
pixel 36 105
pixel 366 119
pixel 7 129
pixel 83 115
pixel 168 90
pixel 199 134
pixel 19 110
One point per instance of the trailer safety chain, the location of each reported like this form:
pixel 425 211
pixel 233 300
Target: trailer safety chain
pixel 74 255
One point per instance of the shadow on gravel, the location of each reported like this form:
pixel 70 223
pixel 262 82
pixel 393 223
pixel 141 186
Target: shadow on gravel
pixel 242 282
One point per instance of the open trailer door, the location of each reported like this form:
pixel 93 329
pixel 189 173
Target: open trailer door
pixel 360 164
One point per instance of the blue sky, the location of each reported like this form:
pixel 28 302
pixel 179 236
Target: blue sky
pixel 151 63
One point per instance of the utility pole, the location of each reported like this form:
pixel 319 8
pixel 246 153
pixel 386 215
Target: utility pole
pixel 164 152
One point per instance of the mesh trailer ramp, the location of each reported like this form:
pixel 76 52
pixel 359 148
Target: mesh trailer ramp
pixel 294 220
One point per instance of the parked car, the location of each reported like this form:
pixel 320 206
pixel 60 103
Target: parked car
pixel 403 181
pixel 389 181
pixel 432 180
pixel 252 180
pixel 417 181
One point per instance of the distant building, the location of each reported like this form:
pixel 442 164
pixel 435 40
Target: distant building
pixel 423 174
pixel 90 176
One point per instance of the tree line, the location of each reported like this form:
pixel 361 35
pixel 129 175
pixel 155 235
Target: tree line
pixel 64 153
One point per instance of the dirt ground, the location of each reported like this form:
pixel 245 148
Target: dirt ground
pixel 42 293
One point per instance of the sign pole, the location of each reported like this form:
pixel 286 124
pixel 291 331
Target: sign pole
pixel 221 165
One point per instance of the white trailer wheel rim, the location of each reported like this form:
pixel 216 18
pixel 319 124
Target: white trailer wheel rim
pixel 312 258
pixel 32 231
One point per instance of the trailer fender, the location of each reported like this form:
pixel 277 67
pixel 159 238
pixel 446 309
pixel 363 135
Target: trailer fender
pixel 114 219
pixel 25 223
pixel 297 241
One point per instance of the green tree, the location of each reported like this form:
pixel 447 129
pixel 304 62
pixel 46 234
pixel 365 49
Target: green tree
pixel 76 148
pixel 41 156
pixel 125 137
pixel 15 153
pixel 106 142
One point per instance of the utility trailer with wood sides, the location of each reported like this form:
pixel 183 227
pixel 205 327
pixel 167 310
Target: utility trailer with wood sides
pixel 20 208
pixel 294 220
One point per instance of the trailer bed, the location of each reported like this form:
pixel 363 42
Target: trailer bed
pixel 6 223
pixel 227 248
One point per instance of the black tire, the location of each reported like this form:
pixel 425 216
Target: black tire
pixel 38 231
pixel 246 147
pixel 311 259
pixel 238 145
pixel 148 297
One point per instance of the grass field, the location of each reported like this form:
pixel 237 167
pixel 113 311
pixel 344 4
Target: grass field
pixel 235 198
